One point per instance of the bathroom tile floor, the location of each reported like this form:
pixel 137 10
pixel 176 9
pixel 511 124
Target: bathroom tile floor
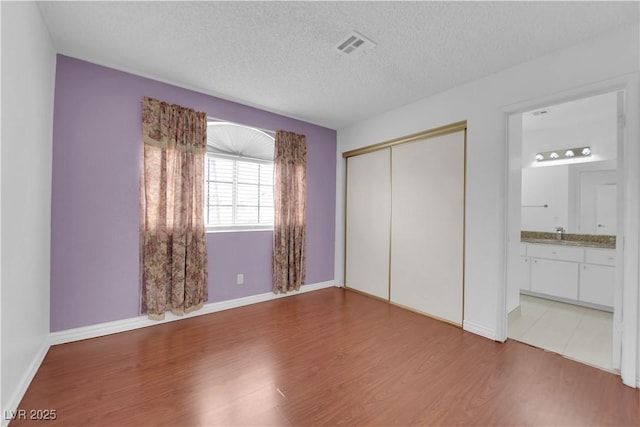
pixel 576 332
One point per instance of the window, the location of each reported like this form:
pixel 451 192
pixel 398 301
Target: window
pixel 238 178
pixel 238 192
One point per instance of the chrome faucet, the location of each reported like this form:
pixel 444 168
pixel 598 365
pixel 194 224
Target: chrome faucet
pixel 559 231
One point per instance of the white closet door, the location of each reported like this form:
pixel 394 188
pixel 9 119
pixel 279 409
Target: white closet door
pixel 427 226
pixel 368 223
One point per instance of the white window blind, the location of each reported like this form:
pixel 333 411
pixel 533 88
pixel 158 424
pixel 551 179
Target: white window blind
pixel 238 192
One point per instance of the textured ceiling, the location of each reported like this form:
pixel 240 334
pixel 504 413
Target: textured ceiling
pixel 281 56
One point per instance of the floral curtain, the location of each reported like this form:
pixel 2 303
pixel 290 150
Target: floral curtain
pixel 173 248
pixel 290 169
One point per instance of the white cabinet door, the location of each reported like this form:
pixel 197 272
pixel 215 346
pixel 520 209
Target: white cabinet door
pixel 368 223
pixel 555 278
pixel 596 284
pixel 524 271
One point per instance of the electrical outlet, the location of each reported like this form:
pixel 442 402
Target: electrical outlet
pixel 240 279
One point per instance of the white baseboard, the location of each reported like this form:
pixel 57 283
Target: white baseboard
pixel 132 323
pixel 479 330
pixel 23 384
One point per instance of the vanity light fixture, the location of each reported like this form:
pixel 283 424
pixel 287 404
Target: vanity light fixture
pixel 565 154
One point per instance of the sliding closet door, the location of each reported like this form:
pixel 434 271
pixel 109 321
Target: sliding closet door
pixel 368 222
pixel 428 226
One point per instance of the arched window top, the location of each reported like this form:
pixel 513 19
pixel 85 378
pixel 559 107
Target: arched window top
pixel 239 140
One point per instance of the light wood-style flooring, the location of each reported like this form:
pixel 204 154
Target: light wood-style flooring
pixel 329 357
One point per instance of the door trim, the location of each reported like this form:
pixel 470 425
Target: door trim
pixel 628 232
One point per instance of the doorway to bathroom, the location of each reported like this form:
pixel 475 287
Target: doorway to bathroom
pixel 563 277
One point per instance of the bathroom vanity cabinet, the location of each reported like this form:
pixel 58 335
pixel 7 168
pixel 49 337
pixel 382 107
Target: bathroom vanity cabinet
pixel 582 275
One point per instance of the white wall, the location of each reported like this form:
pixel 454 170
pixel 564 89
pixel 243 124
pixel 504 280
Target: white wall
pixel 28 70
pixel 592 122
pixel 482 103
pixel 545 186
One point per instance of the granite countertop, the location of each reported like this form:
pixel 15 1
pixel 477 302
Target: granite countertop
pixel 568 239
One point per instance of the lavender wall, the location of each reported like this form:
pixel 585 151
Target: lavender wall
pixel 94 231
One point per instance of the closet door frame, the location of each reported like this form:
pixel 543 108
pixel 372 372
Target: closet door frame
pixel 432 133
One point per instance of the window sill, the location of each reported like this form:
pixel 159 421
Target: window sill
pixel 234 229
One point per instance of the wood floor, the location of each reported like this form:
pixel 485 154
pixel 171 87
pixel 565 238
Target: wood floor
pixel 329 357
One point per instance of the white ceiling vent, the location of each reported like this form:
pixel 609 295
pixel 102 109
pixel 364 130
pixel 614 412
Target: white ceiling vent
pixel 355 44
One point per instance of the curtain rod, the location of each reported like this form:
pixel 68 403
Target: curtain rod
pixel 269 131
